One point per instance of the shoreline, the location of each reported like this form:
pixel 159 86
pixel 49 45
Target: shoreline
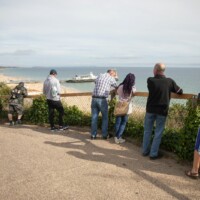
pixel 34 88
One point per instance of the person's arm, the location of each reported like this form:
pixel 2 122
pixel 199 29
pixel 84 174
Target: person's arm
pixel 25 92
pixel 176 89
pixel 179 91
pixel 58 87
pixel 44 88
pixel 113 93
pixel 113 83
pixel 133 91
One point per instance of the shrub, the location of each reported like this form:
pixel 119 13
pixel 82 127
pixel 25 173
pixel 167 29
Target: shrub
pixel 4 91
pixel 181 140
pixel 73 116
pixel 38 112
pixel 111 119
pixel 170 139
pixel 187 136
pixel 134 129
pixel 176 116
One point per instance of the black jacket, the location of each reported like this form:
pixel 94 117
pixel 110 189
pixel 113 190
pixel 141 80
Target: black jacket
pixel 160 89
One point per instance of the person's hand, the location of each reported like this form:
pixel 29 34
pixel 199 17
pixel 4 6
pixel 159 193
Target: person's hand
pixel 113 94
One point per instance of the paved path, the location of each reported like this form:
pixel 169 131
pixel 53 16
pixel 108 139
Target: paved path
pixel 36 164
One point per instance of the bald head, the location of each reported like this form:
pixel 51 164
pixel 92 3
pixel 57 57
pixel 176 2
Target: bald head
pixel 159 68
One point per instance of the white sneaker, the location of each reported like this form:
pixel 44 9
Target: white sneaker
pixel 116 140
pixel 121 140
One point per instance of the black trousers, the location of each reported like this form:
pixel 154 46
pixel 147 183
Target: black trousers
pixel 55 105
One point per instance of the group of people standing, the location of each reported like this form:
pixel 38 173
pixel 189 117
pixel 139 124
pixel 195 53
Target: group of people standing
pixel 103 85
pixel 159 86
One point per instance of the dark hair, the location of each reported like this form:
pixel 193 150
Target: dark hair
pixel 128 83
pixel 21 84
pixel 53 71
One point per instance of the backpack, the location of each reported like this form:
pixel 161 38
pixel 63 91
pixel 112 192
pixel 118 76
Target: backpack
pixel 15 93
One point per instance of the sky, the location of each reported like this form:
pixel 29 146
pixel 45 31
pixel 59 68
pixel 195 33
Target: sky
pixel 99 32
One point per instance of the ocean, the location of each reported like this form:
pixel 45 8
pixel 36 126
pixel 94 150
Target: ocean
pixel 188 78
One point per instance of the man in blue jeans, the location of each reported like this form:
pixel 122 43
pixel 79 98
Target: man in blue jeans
pixel 160 88
pixel 103 85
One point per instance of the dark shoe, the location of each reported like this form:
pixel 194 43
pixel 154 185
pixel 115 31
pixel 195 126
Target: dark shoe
pixel 160 155
pixel 104 137
pixel 110 135
pixel 53 129
pixel 145 154
pixel 62 128
pixel 19 122
pixel 191 174
pixel 93 137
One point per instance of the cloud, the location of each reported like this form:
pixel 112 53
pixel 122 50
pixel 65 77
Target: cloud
pixel 81 30
pixel 27 52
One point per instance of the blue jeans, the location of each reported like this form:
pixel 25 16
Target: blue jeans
pixel 120 125
pixel 197 143
pixel 99 105
pixel 160 120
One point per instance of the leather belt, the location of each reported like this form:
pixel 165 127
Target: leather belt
pixel 99 97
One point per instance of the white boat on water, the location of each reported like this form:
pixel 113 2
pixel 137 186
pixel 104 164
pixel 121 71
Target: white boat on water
pixel 83 78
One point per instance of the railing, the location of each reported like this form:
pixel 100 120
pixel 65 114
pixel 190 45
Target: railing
pixel 83 101
pixel 141 94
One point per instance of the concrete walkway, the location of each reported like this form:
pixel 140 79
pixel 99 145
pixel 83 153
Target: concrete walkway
pixel 38 164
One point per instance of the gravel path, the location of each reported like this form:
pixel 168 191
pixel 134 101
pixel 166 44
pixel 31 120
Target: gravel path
pixel 38 164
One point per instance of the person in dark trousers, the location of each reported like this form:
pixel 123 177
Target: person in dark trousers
pixel 160 88
pixel 16 102
pixel 51 89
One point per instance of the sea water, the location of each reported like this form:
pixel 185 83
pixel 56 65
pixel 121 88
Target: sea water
pixel 187 77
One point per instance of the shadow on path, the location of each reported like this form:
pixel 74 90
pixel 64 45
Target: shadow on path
pixel 84 148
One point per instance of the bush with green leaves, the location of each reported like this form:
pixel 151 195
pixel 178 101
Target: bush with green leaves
pixel 4 93
pixel 111 119
pixel 134 129
pixel 176 116
pixel 73 116
pixel 181 141
pixel 38 112
pixel 187 136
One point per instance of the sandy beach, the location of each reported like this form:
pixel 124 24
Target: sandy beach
pixel 34 88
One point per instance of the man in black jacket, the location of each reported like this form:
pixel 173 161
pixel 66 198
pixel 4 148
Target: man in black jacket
pixel 160 88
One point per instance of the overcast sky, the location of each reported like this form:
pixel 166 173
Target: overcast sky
pixel 99 32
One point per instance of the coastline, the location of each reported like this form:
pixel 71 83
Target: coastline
pixel 34 88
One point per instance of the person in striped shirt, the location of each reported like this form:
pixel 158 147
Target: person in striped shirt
pixel 103 84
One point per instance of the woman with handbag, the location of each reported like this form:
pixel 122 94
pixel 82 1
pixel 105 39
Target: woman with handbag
pixel 125 91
